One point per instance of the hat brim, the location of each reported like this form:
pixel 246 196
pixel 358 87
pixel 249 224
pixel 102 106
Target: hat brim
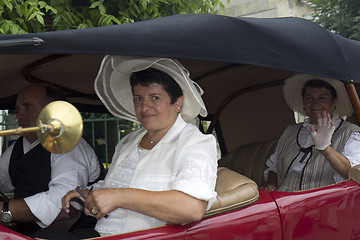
pixel 112 85
pixel 292 90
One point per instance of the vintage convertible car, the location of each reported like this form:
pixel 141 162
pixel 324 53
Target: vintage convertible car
pixel 241 63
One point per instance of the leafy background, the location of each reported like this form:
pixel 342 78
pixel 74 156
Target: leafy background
pixel 25 16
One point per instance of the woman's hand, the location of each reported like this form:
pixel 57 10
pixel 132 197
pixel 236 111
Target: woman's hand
pixel 270 187
pixel 170 206
pixel 101 202
pixel 325 129
pixel 271 182
pixel 65 201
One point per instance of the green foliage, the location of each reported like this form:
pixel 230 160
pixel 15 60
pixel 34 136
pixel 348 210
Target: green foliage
pixel 23 16
pixel 340 16
pixel 18 16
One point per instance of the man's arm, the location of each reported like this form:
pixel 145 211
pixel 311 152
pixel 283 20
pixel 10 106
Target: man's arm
pixel 68 171
pixel 20 211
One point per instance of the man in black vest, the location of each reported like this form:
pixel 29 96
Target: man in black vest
pixel 38 178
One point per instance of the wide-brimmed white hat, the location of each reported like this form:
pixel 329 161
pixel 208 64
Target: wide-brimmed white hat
pixel 293 93
pixel 112 85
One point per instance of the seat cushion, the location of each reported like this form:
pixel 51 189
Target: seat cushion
pixel 233 191
pixel 250 160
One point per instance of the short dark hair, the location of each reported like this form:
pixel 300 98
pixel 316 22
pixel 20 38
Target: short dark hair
pixel 316 83
pixel 151 75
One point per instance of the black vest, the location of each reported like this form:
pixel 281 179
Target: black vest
pixel 31 172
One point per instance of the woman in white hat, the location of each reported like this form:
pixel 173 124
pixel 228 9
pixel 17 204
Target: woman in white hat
pixel 320 151
pixel 165 172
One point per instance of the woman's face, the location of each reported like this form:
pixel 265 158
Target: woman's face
pixel 316 101
pixel 153 108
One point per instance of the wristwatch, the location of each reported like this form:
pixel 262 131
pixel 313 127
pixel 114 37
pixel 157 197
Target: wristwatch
pixel 6 216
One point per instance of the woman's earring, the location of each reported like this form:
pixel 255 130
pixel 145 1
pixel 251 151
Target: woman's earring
pixel 178 109
pixel 334 107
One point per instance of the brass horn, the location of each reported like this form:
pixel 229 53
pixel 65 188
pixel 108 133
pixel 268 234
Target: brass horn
pixel 59 127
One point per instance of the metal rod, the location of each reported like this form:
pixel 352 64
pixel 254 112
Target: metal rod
pixel 54 128
pixel 354 98
pixel 93 133
pixel 106 143
pixel 19 130
pixel 35 41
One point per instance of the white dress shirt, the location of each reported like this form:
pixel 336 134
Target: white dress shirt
pixel 184 160
pixel 69 170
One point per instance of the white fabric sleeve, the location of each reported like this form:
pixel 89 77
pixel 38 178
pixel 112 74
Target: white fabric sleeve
pixel 68 171
pixel 197 176
pixel 5 180
pixel 351 152
pixel 272 164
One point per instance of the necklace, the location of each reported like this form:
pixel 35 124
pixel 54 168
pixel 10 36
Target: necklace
pixel 150 141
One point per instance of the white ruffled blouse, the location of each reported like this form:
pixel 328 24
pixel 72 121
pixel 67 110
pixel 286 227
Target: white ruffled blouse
pixel 184 160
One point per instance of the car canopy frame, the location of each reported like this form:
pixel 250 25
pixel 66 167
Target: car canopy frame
pixel 290 44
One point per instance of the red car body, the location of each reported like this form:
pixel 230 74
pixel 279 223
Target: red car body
pixel 325 213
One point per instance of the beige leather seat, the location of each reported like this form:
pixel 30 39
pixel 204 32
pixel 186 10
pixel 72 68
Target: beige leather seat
pixel 234 191
pixel 354 173
pixel 250 159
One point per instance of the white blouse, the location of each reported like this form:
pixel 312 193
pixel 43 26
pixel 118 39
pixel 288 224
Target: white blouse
pixel 184 160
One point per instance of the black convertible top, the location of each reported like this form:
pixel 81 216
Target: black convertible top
pixel 241 64
pixel 291 44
